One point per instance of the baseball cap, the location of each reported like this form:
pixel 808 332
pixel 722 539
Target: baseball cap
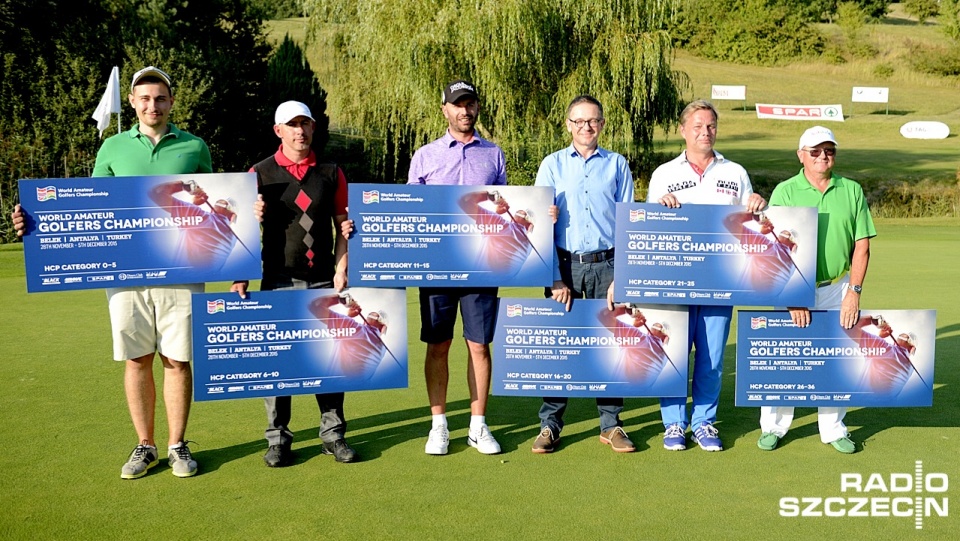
pixel 290 110
pixel 457 90
pixel 816 135
pixel 150 71
pixel 379 315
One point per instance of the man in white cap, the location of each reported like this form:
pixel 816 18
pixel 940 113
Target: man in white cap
pixel 305 203
pixel 843 251
pixel 152 320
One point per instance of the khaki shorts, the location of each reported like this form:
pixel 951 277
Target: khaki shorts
pixel 145 320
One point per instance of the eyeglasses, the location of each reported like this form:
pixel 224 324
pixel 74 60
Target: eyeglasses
pixel 593 122
pixel 815 152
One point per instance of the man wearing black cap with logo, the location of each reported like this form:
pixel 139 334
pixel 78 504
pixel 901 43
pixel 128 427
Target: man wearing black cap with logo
pixel 305 203
pixel 460 157
pixel 152 320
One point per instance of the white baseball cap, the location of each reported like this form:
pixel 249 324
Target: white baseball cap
pixel 150 71
pixel 816 135
pixel 290 110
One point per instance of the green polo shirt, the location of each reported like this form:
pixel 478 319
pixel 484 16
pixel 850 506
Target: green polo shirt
pixel 842 218
pixel 132 154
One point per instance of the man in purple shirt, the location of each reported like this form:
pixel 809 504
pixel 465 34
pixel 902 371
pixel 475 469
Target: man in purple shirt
pixel 460 157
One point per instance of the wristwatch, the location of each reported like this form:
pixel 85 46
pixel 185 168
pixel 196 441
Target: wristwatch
pixel 855 289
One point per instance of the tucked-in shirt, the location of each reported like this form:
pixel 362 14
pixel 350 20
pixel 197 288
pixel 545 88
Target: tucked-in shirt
pixel 842 218
pixel 358 354
pixel 133 154
pixel 587 193
pixel 769 270
pixel 448 161
pixel 207 244
pixel 723 182
pixel 506 251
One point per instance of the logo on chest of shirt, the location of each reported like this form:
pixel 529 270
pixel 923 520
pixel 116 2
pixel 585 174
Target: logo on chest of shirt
pixel 676 187
pixel 731 187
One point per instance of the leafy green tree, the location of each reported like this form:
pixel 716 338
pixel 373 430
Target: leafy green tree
pixel 762 32
pixel 528 58
pixel 949 19
pixel 289 77
pixel 921 9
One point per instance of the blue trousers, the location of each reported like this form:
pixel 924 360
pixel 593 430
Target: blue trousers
pixel 590 281
pixel 709 327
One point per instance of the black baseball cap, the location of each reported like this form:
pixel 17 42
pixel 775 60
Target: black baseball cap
pixel 458 90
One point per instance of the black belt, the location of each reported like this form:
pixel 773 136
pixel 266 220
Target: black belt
pixel 590 257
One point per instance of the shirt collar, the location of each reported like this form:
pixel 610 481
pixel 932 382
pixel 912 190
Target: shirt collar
pixel 717 157
pixel 172 131
pixel 284 161
pixel 600 152
pixel 450 141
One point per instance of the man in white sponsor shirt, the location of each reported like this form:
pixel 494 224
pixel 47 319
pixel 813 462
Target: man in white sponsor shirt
pixel 701 175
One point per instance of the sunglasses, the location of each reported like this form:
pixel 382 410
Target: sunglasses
pixel 815 152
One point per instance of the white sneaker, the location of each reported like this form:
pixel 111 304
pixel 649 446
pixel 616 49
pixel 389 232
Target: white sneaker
pixel 438 441
pixel 483 440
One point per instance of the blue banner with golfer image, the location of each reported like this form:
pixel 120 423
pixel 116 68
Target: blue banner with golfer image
pixel 90 233
pixel 540 349
pixel 451 236
pixel 307 341
pixel 715 255
pixel 886 359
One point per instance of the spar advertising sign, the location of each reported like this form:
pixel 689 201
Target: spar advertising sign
pixel 832 112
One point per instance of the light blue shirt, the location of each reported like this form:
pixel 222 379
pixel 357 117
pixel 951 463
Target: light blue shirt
pixel 587 193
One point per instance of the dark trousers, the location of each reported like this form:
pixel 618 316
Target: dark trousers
pixel 333 426
pixel 590 281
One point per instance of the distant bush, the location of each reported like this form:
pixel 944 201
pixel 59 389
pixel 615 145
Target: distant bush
pixel 758 32
pixel 924 199
pixel 883 71
pixel 921 9
pixel 935 60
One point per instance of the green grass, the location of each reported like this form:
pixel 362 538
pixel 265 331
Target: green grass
pixel 65 433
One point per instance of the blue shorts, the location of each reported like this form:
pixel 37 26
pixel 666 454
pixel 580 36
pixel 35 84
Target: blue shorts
pixel 438 313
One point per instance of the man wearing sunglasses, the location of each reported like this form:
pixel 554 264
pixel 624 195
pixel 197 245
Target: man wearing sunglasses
pixel 843 251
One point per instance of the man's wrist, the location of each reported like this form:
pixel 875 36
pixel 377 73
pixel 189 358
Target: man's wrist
pixel 855 288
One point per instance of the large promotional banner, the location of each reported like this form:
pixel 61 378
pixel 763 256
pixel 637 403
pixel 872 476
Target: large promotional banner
pixel 89 233
pixel 540 349
pixel 886 359
pixel 447 236
pixel 715 254
pixel 310 341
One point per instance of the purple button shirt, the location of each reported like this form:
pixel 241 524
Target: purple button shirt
pixel 448 161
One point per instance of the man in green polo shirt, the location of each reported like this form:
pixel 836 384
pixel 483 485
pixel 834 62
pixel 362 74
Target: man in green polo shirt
pixel 152 320
pixel 843 251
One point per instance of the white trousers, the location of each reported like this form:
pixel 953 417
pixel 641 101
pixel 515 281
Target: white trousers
pixel 829 420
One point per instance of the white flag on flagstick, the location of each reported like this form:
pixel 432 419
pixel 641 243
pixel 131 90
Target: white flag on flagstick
pixel 109 103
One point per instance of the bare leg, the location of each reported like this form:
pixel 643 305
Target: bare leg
pixel 141 395
pixel 478 376
pixel 177 393
pixel 437 371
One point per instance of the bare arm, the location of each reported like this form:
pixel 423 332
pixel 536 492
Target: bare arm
pixel 850 307
pixel 340 254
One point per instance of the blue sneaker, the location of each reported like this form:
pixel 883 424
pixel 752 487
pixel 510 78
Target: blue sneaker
pixel 707 437
pixel 674 439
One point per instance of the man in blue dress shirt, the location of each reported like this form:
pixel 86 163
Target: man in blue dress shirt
pixel 589 182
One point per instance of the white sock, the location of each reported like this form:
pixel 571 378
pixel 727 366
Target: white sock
pixel 439 420
pixel 476 421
